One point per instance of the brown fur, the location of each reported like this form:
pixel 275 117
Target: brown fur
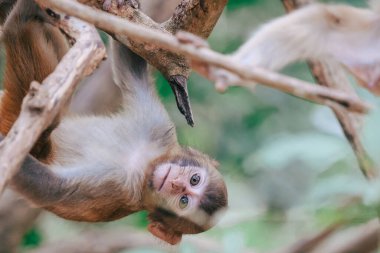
pixel 42 46
pixel 86 181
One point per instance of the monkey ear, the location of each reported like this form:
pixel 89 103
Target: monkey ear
pixel 158 230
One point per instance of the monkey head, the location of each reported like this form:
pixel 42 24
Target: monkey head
pixel 188 192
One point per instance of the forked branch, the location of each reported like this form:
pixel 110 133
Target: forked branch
pixel 195 16
pixel 331 75
pixel 200 53
pixel 45 101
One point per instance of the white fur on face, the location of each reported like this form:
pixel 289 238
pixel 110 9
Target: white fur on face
pixel 171 182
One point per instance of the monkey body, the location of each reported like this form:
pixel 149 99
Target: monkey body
pixel 110 154
pixel 101 168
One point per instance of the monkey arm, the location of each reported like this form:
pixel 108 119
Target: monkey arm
pixel 39 184
pixel 140 101
pixel 131 75
pixel 70 198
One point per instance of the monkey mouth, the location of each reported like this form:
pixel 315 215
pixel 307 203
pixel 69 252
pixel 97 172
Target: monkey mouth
pixel 164 180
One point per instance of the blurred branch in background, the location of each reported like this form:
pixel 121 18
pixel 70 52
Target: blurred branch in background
pixel 16 218
pixel 117 240
pixel 359 239
pixel 310 243
pixel 332 75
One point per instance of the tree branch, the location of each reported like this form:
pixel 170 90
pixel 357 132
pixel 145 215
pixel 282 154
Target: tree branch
pixel 360 239
pixel 331 75
pixel 196 16
pixel 16 218
pixel 44 102
pixel 310 243
pixel 199 53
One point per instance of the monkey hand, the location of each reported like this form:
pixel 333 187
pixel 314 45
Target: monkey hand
pixel 107 4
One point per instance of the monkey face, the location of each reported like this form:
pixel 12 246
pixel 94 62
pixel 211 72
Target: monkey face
pixel 181 187
pixel 185 195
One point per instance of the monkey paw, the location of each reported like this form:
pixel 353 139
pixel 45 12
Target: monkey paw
pixel 107 4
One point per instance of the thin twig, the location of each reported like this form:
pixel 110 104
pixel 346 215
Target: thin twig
pixel 274 80
pixel 44 102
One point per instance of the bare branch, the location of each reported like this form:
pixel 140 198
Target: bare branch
pixel 198 53
pixel 44 102
pixel 308 244
pixel 331 75
pixel 360 239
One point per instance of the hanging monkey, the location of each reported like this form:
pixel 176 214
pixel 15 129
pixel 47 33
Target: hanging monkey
pixel 102 168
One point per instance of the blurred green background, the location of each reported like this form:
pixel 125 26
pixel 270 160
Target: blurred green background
pixel 288 167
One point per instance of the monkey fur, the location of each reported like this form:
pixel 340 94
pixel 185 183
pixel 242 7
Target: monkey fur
pixel 102 168
pixel 347 34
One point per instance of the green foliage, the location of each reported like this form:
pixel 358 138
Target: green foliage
pixel 140 219
pixel 236 4
pixel 163 88
pixel 143 251
pixel 32 238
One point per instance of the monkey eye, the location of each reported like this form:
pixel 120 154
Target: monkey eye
pixel 183 202
pixel 195 179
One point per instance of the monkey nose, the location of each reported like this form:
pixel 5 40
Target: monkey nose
pixel 178 186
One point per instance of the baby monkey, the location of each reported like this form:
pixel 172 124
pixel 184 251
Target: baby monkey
pixel 102 168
